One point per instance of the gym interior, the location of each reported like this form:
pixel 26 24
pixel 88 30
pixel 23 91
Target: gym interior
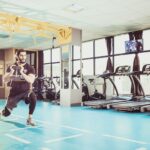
pixel 92 74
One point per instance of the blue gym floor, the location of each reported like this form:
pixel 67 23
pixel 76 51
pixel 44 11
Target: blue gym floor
pixel 75 128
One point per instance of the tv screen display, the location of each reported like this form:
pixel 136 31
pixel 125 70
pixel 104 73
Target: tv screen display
pixel 134 46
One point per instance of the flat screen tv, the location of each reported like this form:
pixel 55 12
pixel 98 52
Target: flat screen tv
pixel 134 46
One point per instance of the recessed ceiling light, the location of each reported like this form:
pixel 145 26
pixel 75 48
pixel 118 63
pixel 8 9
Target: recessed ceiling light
pixel 74 8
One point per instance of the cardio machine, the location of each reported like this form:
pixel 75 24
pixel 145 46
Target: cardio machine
pixel 137 103
pixel 121 70
pixel 90 85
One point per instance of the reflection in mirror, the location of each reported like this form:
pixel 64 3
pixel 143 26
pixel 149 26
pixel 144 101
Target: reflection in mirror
pixel 65 66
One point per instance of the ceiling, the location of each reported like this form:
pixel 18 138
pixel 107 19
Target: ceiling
pixel 97 18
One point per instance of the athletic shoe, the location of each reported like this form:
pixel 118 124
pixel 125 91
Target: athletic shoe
pixel 30 122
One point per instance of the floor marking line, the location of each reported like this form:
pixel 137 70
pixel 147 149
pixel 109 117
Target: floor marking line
pixel 63 138
pixel 63 126
pixel 141 148
pixel 125 139
pixel 73 128
pixel 44 148
pixel 17 138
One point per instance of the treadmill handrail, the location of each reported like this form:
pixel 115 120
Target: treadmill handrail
pixel 114 85
pixel 137 79
pixel 120 70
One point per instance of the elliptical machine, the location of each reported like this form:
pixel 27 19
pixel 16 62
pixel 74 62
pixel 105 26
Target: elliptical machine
pixel 45 89
pixel 85 90
pixel 96 95
pixel 39 88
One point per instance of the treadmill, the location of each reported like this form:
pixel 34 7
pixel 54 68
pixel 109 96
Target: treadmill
pixel 121 70
pixel 137 102
pixel 147 107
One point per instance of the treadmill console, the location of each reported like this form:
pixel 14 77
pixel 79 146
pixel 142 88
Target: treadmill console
pixel 122 69
pixel 146 69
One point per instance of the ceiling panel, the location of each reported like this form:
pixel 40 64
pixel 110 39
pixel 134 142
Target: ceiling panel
pixel 99 18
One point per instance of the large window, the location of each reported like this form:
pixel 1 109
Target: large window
pixel 145 79
pixel 76 53
pixel 56 69
pixel 87 67
pixel 76 66
pixel 119 43
pixel 56 55
pixel 100 65
pixel 123 83
pixel 97 64
pixel 47 70
pixel 47 56
pixel 100 48
pixel 146 38
pixel 28 58
pixel 87 49
pixel 31 59
pixel 124 60
pixel 144 59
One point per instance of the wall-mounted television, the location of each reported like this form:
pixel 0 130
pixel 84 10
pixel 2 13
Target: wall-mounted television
pixel 134 46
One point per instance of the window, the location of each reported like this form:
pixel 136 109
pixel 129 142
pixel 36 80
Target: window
pixel 56 55
pixel 56 70
pixel 124 60
pixel 146 39
pixel 100 48
pixel 123 83
pixel 47 56
pixel 76 52
pixel 119 43
pixel 87 49
pixel 33 59
pixel 28 58
pixel 145 79
pixel 87 67
pixel 76 66
pixel 47 70
pixel 100 65
pixel 144 59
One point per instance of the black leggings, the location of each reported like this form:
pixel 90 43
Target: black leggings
pixel 32 103
pixel 13 100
